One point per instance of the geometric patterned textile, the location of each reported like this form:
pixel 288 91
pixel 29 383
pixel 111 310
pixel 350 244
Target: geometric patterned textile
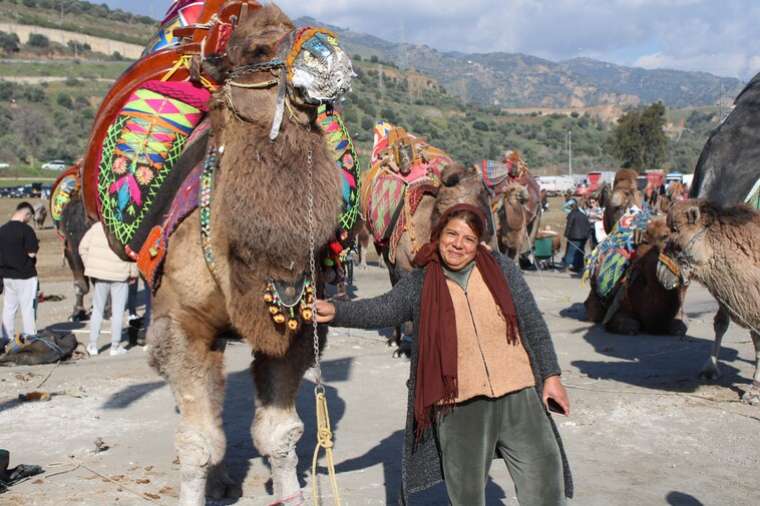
pixel 60 196
pixel 385 192
pixel 140 149
pixel 181 13
pixel 611 258
pixel 341 148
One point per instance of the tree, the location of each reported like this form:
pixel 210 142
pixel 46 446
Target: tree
pixel 639 140
pixel 9 42
pixel 38 40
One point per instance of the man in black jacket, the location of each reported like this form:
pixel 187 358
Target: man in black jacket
pixel 18 260
pixel 576 232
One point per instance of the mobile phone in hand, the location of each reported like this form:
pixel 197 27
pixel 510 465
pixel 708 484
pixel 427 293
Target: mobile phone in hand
pixel 554 407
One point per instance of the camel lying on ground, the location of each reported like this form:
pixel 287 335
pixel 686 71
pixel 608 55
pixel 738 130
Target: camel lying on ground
pixel 718 247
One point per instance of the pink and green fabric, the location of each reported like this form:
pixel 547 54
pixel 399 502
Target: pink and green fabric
pixel 140 149
pixel 387 197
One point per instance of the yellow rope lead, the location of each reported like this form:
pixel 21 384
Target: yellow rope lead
pixel 324 440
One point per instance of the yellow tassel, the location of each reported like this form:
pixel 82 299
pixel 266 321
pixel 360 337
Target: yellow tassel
pixel 279 318
pixel 307 314
pixel 273 310
pixel 268 298
pixel 293 324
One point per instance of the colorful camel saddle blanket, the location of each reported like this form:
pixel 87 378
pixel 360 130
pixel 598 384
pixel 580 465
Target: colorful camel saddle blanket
pixel 609 261
pixel 404 167
pixel 137 178
pixel 64 187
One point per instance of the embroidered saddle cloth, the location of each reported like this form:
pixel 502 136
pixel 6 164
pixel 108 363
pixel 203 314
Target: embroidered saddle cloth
pixel 404 168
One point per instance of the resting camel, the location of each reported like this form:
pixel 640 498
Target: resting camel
pixel 639 303
pixel 511 216
pixel 718 247
pixel 253 238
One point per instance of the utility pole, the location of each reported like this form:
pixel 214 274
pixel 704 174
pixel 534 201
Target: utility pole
pixel 570 152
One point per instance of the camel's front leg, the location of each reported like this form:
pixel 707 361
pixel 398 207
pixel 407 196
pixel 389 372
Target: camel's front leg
pixel 752 394
pixel 720 325
pixel 277 427
pixel 192 362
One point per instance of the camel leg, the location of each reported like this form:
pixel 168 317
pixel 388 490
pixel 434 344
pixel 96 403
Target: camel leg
pixel 191 360
pixel 752 394
pixel 624 323
pixel 710 370
pixel 277 427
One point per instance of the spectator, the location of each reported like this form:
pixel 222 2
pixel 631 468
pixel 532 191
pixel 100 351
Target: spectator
pixel 109 274
pixel 576 233
pixel 18 261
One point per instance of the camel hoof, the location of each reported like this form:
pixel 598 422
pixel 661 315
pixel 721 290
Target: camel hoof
pixel 752 395
pixel 710 373
pixel 404 350
pixel 220 486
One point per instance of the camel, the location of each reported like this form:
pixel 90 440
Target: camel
pixel 717 247
pixel 624 194
pixel 40 215
pixel 511 213
pixel 637 302
pixel 219 283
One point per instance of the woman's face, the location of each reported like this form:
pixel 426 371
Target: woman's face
pixel 458 244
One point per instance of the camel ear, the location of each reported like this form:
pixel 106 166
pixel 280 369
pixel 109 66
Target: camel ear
pixel 692 215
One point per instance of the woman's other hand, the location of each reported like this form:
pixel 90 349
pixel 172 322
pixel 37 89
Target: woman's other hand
pixel 325 311
pixel 553 389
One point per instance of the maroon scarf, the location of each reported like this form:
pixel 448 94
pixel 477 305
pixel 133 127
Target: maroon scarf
pixel 437 338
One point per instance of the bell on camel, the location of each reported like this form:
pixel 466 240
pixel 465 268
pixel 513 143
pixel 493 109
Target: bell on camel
pixel 268 297
pixel 292 324
pixel 307 314
pixel 279 318
pixel 273 310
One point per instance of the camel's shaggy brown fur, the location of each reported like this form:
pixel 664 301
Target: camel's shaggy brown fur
pixel 259 231
pixel 624 194
pixel 718 247
pixel 512 221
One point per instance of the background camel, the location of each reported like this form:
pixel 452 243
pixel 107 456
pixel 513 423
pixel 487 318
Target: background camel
pixel 40 215
pixel 624 195
pixel 72 227
pixel 512 214
pixel 718 247
pixel 252 239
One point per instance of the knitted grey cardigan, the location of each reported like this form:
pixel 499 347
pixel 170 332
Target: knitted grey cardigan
pixel 421 465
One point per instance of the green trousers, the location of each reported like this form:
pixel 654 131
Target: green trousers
pixel 516 428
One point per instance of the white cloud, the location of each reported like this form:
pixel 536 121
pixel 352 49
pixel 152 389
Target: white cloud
pixel 709 35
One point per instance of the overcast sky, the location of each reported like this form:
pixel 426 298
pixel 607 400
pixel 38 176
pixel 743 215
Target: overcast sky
pixel 717 36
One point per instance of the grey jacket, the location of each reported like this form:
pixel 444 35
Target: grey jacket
pixel 421 465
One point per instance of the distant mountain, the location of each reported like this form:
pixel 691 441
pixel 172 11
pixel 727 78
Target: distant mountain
pixel 519 80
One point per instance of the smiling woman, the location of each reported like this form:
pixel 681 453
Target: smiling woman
pixel 483 370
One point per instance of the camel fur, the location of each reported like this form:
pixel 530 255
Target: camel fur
pixel 512 221
pixel 717 246
pixel 624 194
pixel 254 237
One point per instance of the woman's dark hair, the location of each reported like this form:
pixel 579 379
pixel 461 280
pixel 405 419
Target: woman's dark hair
pixel 473 221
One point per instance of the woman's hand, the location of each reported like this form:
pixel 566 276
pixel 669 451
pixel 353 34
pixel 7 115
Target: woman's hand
pixel 553 389
pixel 325 311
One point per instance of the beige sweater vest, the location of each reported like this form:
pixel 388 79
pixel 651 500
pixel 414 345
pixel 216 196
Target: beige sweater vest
pixel 487 364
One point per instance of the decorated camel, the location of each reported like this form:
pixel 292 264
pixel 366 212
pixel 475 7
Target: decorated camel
pixel 624 294
pixel 516 203
pixel 717 247
pixel 69 218
pixel 402 193
pixel 191 180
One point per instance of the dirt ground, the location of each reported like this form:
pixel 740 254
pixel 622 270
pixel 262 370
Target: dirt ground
pixel 643 429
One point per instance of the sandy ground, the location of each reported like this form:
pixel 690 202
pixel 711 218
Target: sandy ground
pixel 643 429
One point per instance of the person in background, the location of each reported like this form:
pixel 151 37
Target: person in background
pixel 577 231
pixel 595 215
pixel 109 274
pixel 18 269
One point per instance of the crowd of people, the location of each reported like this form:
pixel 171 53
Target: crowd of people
pixel 19 282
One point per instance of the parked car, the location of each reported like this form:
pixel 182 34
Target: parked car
pixel 4 165
pixel 58 165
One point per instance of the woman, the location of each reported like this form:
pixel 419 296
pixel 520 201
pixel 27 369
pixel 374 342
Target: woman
pixel 110 275
pixel 482 363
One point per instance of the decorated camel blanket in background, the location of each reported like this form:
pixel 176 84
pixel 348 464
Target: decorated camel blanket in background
pixel 609 261
pixel 498 174
pixel 403 169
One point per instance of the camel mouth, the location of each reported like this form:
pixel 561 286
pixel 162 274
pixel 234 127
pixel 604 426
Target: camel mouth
pixel 319 69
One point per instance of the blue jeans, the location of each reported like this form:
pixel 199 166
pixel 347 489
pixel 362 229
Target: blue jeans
pixel 575 254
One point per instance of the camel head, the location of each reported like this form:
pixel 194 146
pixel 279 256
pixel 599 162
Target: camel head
pixel 686 248
pixel 657 232
pixel 624 194
pixel 272 69
pixel 512 217
pixel 461 185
